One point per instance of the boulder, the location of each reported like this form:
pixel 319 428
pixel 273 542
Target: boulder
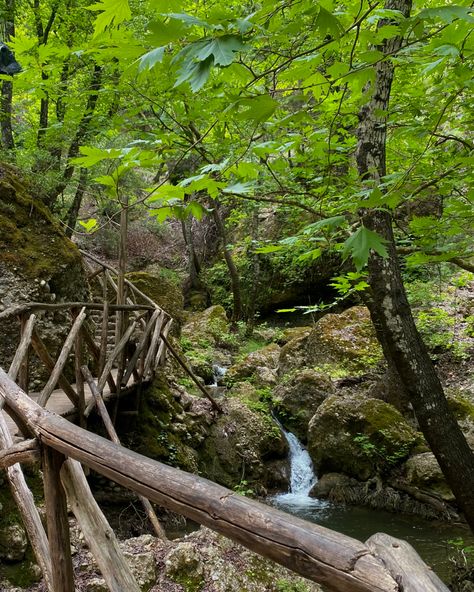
pixel 207 328
pixel 158 286
pixel 297 399
pixel 339 345
pixel 359 437
pixel 38 263
pixel 423 471
pixel 205 560
pixel 238 445
pixel 260 365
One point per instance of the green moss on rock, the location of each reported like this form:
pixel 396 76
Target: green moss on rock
pixel 359 437
pixel 31 241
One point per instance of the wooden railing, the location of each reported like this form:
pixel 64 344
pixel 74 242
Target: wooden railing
pixel 340 563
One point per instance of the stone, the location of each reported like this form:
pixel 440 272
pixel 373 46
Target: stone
pixel 238 446
pixel 13 543
pixel 359 437
pixel 339 345
pixel 266 357
pixel 423 471
pixel 297 399
pixel 206 328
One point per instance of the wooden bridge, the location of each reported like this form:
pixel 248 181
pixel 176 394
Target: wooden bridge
pixel 107 348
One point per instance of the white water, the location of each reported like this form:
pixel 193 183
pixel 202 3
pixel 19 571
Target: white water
pixel 218 373
pixel 302 478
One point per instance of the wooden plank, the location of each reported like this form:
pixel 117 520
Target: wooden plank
pixel 19 309
pixel 141 346
pixel 117 351
pixel 58 525
pixel 150 357
pixel 104 332
pixel 159 531
pixel 97 532
pixel 78 361
pixel 22 348
pixel 94 349
pixel 160 354
pixel 26 505
pixel 338 562
pixel 62 359
pixel 44 356
pixel 405 565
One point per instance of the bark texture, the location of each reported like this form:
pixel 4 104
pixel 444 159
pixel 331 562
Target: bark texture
pixel 389 308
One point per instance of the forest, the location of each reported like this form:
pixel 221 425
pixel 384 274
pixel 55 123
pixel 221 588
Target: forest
pixel 291 182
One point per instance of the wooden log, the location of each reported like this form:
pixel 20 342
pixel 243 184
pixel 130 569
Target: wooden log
pixel 161 353
pixel 152 351
pixel 19 309
pixel 78 361
pixel 159 531
pixel 94 349
pixel 44 356
pixel 405 565
pixel 26 451
pixel 104 332
pixel 190 373
pixel 97 532
pixel 338 562
pixel 62 359
pixel 22 349
pixel 118 349
pixel 26 505
pixel 141 346
pixel 57 520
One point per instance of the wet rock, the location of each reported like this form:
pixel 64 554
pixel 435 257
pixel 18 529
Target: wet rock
pixel 359 437
pixel 298 398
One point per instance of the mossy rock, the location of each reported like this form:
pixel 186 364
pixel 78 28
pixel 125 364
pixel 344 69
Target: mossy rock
pixel 423 471
pixel 359 437
pixel 460 406
pixel 31 242
pixel 208 328
pixel 162 290
pixel 297 399
pixel 339 345
pixel 239 443
pixel 162 430
pixel 266 357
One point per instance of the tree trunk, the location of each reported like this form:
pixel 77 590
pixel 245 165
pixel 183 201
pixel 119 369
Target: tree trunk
pixel 7 87
pixel 389 308
pixel 233 272
pixel 73 212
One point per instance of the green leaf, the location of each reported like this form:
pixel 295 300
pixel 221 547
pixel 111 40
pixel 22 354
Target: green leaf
pixel 447 14
pixel 269 249
pixel 327 23
pixel 90 225
pixel 195 209
pixel 359 245
pixel 166 192
pixel 196 73
pixel 222 49
pixel 188 19
pixel 113 12
pixel 150 59
pixel 239 188
pixel 258 109
pixel 92 156
pixel 329 223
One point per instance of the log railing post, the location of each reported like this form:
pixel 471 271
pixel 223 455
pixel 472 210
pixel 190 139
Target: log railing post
pixel 58 525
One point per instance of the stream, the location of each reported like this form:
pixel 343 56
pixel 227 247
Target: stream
pixel 429 538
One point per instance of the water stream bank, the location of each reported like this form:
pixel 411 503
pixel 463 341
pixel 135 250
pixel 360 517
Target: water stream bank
pixel 430 539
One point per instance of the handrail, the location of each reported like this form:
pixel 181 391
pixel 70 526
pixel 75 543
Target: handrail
pixel 18 309
pixel 337 561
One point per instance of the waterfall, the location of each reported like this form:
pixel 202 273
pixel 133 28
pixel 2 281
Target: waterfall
pixel 302 478
pixel 218 373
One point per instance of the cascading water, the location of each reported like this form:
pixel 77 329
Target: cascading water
pixel 302 478
pixel 218 373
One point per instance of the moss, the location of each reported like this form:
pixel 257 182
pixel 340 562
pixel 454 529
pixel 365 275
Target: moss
pixel 190 582
pixel 31 240
pixel 460 406
pixel 162 290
